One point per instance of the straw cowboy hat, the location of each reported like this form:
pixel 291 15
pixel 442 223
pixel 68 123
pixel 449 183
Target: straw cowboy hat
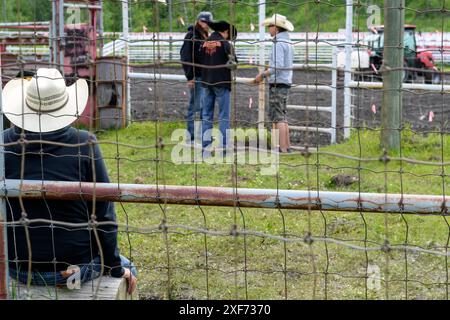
pixel 279 21
pixel 44 103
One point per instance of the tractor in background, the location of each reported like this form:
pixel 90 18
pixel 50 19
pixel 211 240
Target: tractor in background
pixel 416 63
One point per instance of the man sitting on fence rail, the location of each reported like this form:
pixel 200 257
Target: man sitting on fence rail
pixel 43 146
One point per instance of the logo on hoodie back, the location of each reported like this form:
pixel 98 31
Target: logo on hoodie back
pixel 211 47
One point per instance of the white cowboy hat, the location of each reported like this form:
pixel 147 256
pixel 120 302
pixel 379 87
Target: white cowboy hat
pixel 279 21
pixel 44 103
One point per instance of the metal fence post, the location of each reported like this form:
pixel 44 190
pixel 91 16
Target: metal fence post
pixel 261 62
pixel 61 36
pixel 348 68
pixel 126 38
pixel 4 278
pixel 170 4
pixel 333 95
pixel 394 13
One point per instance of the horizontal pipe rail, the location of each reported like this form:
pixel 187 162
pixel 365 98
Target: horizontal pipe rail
pixel 312 87
pixel 83 6
pixel 312 129
pixel 309 108
pixel 406 86
pixel 228 197
pixel 174 77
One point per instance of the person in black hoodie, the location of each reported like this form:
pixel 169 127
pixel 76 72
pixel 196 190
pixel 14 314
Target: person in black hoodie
pixel 190 54
pixel 218 55
pixel 42 109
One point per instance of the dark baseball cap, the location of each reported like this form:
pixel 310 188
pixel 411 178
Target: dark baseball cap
pixel 205 16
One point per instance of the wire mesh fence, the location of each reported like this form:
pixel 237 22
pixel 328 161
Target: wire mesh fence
pixel 349 220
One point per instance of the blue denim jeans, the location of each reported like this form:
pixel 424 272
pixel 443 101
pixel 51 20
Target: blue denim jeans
pixel 211 95
pixel 88 272
pixel 194 109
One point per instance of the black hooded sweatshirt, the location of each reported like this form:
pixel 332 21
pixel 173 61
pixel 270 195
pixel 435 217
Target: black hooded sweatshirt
pixel 191 52
pixel 217 51
pixel 69 246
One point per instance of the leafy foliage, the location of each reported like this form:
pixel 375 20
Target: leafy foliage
pixel 306 15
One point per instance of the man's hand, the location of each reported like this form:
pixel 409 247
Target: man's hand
pixel 191 84
pixel 131 280
pixel 259 78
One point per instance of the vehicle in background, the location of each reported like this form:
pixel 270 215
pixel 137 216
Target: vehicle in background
pixel 416 63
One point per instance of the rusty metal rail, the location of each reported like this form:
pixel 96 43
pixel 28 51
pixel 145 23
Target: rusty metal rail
pixel 229 197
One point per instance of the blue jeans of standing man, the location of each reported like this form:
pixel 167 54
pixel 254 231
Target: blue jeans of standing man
pixel 88 272
pixel 211 95
pixel 194 109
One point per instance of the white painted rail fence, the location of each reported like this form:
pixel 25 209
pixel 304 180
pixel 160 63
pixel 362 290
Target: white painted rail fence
pixel 141 46
pixel 145 47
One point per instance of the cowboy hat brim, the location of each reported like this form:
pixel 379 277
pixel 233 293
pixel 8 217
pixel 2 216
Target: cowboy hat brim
pixel 17 111
pixel 288 25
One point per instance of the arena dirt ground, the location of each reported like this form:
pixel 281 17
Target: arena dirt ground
pixel 172 97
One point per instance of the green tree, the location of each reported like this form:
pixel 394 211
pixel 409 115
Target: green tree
pixel 324 15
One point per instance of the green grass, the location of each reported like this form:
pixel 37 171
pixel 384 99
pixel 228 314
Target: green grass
pixel 176 267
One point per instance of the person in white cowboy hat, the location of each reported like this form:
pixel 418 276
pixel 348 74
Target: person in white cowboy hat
pixel 279 74
pixel 43 141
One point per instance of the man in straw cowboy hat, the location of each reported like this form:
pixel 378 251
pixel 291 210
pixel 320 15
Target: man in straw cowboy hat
pixel 42 110
pixel 217 51
pixel 279 75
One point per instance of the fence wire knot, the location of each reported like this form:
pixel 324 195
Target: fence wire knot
pixel 444 208
pixel 163 226
pixel 385 158
pixel 386 247
pixel 401 204
pixel 308 239
pixel 231 63
pixel 234 232
pixel 24 220
pixel 305 152
pixel 93 223
pixel 22 141
pixel 160 145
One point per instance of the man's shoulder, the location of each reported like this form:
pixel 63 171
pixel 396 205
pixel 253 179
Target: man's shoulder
pixel 9 130
pixel 8 134
pixel 189 34
pixel 283 44
pixel 80 135
pixel 69 135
